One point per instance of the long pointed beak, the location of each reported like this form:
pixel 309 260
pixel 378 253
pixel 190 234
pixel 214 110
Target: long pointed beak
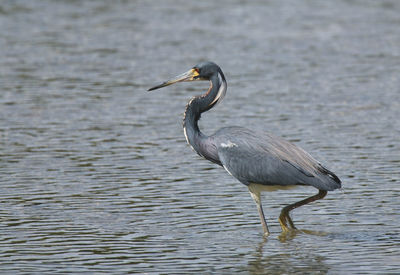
pixel 188 76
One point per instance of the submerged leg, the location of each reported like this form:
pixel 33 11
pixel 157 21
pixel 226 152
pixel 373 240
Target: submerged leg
pixel 257 199
pixel 284 217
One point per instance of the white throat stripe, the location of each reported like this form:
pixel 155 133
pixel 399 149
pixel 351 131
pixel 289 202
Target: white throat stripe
pixel 221 90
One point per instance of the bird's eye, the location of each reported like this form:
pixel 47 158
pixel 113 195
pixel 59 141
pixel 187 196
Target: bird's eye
pixel 198 73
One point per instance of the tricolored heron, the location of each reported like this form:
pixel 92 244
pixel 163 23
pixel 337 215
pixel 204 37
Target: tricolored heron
pixel 259 160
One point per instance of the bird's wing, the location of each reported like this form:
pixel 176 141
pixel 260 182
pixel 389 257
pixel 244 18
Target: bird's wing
pixel 253 157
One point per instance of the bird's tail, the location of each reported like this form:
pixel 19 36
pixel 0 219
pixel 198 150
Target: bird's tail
pixel 334 179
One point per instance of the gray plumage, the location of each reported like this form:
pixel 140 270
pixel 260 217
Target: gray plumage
pixel 256 159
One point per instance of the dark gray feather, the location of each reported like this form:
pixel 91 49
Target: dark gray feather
pixel 257 157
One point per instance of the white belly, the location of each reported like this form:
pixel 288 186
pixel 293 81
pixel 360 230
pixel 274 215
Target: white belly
pixel 256 187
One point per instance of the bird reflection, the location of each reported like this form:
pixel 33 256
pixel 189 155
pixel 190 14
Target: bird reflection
pixel 284 257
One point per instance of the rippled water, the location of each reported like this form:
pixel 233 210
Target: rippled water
pixel 97 176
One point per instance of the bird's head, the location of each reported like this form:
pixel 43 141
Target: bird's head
pixel 202 71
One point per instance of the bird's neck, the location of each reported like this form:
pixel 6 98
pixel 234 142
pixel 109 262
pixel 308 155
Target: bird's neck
pixel 201 104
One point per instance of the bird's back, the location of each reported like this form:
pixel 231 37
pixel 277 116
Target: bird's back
pixel 258 157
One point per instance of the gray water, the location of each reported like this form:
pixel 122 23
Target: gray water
pixel 96 176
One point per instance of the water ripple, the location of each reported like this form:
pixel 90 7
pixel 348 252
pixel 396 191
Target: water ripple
pixel 97 175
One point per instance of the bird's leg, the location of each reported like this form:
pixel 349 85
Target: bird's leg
pixel 262 218
pixel 256 197
pixel 284 216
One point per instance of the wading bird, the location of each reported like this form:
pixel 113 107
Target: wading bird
pixel 261 161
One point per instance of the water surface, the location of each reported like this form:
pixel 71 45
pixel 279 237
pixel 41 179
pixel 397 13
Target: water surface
pixel 96 173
